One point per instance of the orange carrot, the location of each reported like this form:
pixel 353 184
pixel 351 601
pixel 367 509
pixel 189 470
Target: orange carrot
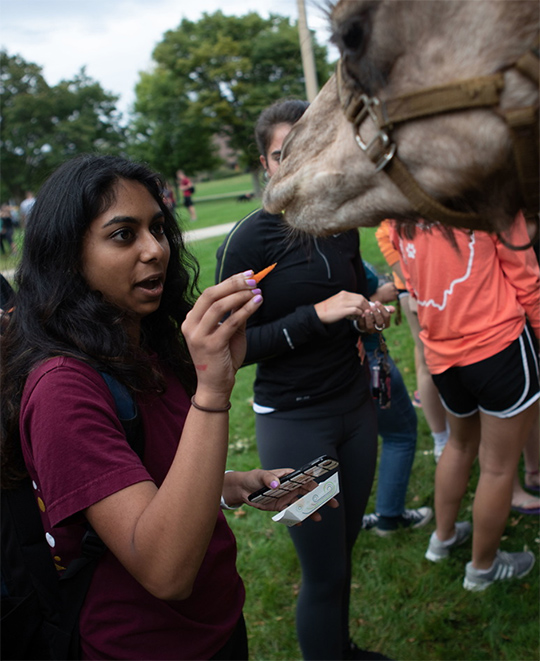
pixel 261 274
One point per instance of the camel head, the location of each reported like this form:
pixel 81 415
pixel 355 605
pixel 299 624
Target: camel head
pixel 376 116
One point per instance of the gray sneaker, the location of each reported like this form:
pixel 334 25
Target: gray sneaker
pixel 438 551
pixel 506 566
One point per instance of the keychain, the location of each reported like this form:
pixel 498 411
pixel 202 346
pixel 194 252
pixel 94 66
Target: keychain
pixel 380 375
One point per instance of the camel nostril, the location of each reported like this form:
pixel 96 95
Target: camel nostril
pixel 285 148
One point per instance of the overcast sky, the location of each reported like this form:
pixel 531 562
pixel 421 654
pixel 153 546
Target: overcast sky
pixel 114 39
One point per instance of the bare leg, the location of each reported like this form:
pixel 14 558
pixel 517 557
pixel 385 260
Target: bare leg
pixel 453 469
pixel 531 457
pixel 429 395
pixel 502 440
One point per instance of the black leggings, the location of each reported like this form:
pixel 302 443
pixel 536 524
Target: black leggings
pixel 289 439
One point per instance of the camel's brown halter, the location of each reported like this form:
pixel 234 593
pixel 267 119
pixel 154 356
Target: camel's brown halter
pixel 478 92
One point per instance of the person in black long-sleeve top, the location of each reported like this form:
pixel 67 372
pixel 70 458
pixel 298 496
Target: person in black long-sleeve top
pixel 311 393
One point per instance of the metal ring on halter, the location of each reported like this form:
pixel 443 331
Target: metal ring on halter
pixel 379 328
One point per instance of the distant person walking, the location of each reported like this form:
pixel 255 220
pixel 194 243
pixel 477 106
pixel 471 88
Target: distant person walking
pixel 7 244
pixel 26 207
pixel 186 186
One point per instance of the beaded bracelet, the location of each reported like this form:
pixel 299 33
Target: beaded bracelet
pixel 208 410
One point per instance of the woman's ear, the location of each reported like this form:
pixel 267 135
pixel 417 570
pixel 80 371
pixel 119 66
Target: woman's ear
pixel 262 159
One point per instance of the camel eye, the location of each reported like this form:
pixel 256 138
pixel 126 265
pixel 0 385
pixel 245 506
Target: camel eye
pixel 353 37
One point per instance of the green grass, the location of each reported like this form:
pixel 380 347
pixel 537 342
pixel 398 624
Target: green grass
pixel 216 212
pixel 401 604
pixel 238 184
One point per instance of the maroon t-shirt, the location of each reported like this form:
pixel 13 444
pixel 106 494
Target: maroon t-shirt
pixel 77 454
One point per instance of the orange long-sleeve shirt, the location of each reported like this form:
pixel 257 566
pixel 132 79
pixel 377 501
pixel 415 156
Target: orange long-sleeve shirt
pixel 472 300
pixel 382 234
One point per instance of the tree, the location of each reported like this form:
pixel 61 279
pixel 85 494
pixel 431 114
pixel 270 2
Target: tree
pixel 42 126
pixel 223 71
pixel 165 131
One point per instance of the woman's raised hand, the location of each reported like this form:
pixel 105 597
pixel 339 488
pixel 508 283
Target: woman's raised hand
pixel 348 305
pixel 215 334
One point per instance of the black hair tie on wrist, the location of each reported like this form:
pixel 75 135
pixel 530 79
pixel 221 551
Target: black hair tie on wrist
pixel 208 410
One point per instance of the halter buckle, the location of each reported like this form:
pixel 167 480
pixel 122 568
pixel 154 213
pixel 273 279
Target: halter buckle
pixel 386 149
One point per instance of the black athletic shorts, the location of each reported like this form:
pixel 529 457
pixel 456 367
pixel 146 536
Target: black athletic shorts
pixel 503 385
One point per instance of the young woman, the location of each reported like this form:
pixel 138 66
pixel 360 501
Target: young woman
pixel 105 283
pixel 483 356
pixel 312 394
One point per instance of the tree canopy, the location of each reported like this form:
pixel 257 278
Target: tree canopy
pixel 166 131
pixel 41 126
pixel 215 76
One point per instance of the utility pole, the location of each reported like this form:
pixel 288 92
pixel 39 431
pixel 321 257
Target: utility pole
pixel 308 60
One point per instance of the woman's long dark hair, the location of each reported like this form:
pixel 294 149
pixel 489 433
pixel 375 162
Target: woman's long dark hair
pixel 56 313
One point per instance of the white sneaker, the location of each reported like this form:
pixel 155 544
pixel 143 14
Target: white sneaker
pixel 505 567
pixel 408 519
pixel 438 550
pixel 369 521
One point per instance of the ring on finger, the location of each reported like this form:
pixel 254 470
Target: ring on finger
pixel 379 328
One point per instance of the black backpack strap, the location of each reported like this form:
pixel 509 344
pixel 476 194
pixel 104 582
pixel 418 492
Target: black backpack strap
pixel 128 414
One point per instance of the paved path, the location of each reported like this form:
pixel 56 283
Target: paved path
pixel 189 235
pixel 208 232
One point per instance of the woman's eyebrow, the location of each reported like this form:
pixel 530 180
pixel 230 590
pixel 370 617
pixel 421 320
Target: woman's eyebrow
pixel 118 220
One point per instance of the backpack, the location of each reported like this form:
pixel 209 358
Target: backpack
pixel 40 611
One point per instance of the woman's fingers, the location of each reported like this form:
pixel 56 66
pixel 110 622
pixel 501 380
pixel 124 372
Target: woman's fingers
pixel 215 300
pixel 377 317
pixel 228 304
pixel 215 332
pixel 343 305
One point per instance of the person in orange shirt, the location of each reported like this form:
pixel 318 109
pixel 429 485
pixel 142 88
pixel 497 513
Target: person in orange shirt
pixel 479 311
pixel 428 394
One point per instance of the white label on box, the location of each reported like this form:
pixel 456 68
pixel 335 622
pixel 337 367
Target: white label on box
pixel 305 506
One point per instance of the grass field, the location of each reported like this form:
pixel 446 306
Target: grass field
pixel 240 183
pixel 218 211
pixel 401 604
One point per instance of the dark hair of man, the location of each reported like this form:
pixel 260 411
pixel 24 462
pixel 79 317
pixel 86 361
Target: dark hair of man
pixel 57 314
pixel 285 111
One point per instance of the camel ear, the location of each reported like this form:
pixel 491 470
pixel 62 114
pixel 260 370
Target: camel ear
pixel 262 159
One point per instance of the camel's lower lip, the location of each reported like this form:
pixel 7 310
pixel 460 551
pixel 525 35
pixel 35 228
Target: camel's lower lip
pixel 275 199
